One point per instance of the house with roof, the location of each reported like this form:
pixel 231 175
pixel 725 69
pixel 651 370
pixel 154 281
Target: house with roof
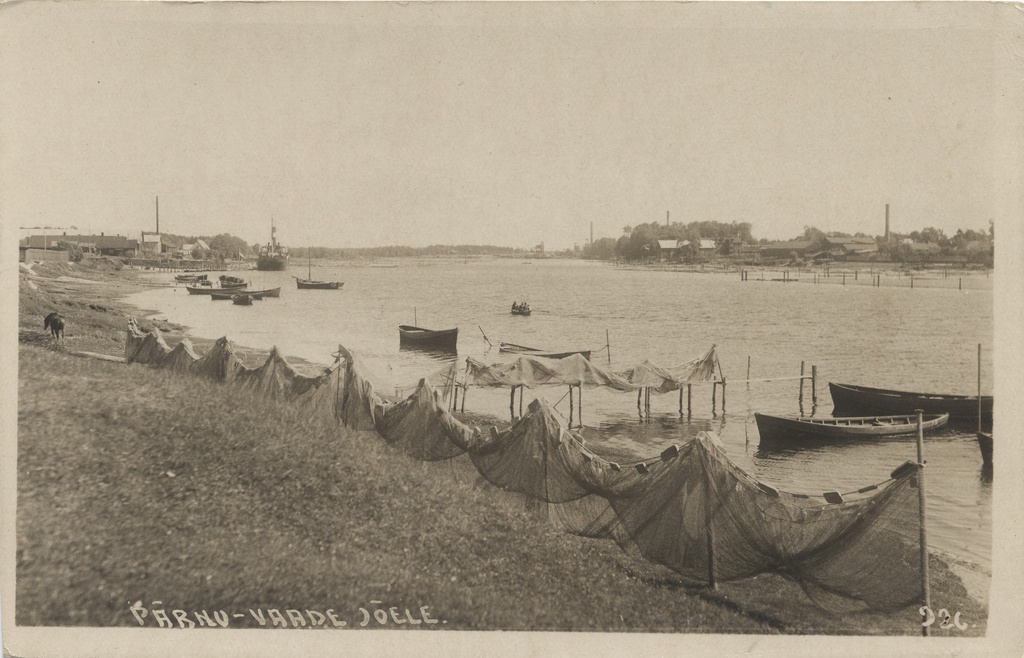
pixel 185 251
pixel 97 245
pixel 787 248
pixel 844 248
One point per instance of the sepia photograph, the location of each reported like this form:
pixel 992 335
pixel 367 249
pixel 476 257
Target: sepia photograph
pixel 513 328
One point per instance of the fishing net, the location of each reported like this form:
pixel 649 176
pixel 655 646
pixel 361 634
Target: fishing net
pixel 690 508
pixel 575 370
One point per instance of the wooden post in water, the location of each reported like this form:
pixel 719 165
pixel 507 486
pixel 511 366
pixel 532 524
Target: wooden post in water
pixel 960 284
pixel 639 394
pixel 911 281
pixel 844 278
pixel 814 384
pixel 925 590
pixel 748 370
pixel 579 398
pixel 521 387
pixel 979 388
pixel 689 396
pixel 464 388
pixel 414 320
pixel 681 401
pixel 512 404
pixel 608 346
pixel 801 383
pixel 570 405
pixel 723 395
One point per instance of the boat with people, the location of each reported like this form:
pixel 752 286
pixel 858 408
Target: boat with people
pixel 309 284
pixel 802 429
pixel 512 348
pixel 851 400
pixel 522 308
pixel 243 299
pixel 227 280
pixel 272 256
pixel 428 339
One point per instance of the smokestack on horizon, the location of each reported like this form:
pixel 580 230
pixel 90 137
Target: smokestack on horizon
pixel 887 222
pixel 666 217
pixel 158 215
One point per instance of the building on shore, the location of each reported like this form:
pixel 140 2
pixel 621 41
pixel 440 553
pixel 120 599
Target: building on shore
pixel 95 245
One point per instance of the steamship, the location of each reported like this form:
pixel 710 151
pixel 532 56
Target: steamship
pixel 272 255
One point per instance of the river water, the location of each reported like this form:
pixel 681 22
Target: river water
pixel 894 336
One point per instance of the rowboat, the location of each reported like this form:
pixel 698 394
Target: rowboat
pixel 512 348
pixel 796 429
pixel 520 309
pixel 227 281
pixel 428 339
pixel 848 399
pixel 242 300
pixel 985 443
pixel 258 295
pixel 210 290
pixel 190 278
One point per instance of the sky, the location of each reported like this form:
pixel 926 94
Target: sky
pixel 356 125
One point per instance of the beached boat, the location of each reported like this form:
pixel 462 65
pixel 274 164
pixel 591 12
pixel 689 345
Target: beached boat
pixel 210 290
pixel 796 429
pixel 309 284
pixel 512 348
pixel 428 339
pixel 851 400
pixel 242 300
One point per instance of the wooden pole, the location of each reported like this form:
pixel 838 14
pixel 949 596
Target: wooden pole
pixel 464 389
pixel 414 320
pixel 639 394
pixel 814 384
pixel 680 400
pixel 689 395
pixel 512 404
pixel 801 383
pixel 723 395
pixel 608 346
pixel 570 405
pixel 579 398
pixel 979 387
pixel 708 518
pixel 521 387
pixel 748 369
pixel 925 591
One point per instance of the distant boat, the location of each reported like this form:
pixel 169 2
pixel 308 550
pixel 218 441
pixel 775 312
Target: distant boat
pixel 851 400
pixel 190 278
pixel 794 429
pixel 521 309
pixel 210 290
pixel 242 300
pixel 428 339
pixel 272 256
pixel 309 284
pixel 256 294
pixel 512 348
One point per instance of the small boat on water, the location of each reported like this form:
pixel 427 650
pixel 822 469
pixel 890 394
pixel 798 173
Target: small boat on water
pixel 242 300
pixel 797 429
pixel 210 290
pixel 190 278
pixel 226 280
pixel 851 400
pixel 521 309
pixel 985 444
pixel 309 284
pixel 428 339
pixel 258 295
pixel 512 348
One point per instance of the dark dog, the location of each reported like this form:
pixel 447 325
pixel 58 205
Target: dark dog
pixel 55 323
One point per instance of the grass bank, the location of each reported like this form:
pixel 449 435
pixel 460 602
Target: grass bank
pixel 141 485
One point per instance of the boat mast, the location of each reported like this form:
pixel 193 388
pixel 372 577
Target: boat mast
pixel 309 261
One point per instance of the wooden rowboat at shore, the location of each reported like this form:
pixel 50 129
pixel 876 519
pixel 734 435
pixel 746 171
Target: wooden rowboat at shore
pixel 851 400
pixel 428 339
pixel 784 430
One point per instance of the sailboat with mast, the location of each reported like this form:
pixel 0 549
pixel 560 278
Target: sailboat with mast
pixel 272 257
pixel 309 284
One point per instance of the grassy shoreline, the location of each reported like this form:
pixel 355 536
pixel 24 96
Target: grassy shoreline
pixel 141 485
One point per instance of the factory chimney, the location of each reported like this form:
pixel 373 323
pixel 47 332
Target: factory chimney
pixel 666 217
